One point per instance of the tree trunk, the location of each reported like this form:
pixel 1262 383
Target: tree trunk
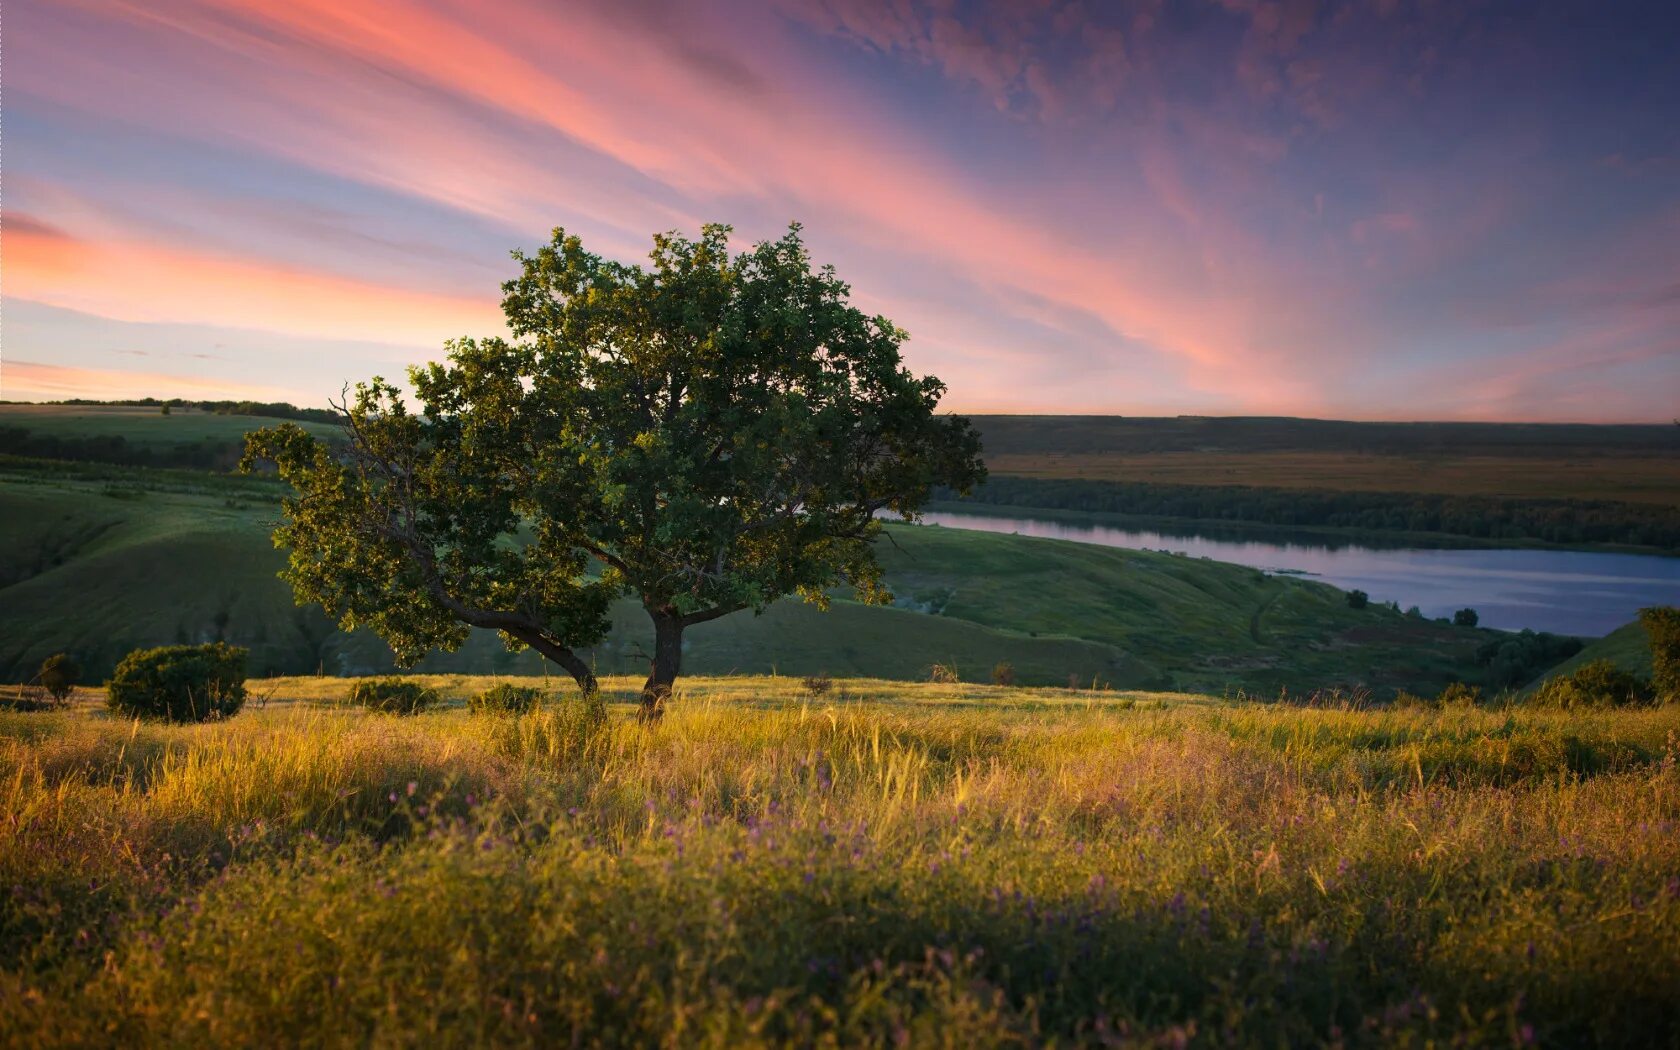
pixel 665 665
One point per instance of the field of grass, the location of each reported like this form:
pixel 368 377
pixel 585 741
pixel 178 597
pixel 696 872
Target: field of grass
pixel 1127 435
pixel 98 563
pixel 1570 485
pixel 1586 486
pixel 888 865
pixel 140 425
pixel 1638 479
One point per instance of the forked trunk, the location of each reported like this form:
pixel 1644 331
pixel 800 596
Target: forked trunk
pixel 665 665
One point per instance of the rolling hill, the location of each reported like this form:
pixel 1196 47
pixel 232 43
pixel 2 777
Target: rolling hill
pixel 1628 647
pixel 101 561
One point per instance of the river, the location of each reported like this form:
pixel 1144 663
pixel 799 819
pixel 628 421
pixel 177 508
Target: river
pixel 1583 593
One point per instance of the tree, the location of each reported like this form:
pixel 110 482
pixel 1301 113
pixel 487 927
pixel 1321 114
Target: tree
pixel 1466 618
pixel 1358 599
pixel 708 434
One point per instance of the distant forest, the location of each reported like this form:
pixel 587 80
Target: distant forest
pixel 269 409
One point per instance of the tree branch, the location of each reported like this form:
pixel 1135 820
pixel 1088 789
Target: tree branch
pixel 713 613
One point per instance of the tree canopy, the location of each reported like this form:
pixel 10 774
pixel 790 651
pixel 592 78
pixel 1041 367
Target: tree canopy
pixel 708 433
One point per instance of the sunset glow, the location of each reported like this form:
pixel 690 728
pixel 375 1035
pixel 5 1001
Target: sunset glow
pixel 1368 210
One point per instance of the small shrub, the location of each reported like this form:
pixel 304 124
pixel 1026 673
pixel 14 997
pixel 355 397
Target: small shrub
pixel 180 683
pixel 944 674
pixel 817 685
pixel 1358 599
pixel 58 676
pixel 1596 684
pixel 1003 673
pixel 1459 693
pixel 393 696
pixel 1465 618
pixel 505 698
pixel 1662 627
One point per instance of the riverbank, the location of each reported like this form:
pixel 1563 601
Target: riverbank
pixel 1581 593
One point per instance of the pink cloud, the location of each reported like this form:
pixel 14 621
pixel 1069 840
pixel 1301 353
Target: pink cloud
pixel 39 381
pixel 135 281
pixel 1170 239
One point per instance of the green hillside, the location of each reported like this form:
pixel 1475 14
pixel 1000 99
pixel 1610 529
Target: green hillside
pixel 1628 647
pixel 100 563
pixel 139 425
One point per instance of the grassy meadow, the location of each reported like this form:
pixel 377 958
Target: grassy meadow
pixel 141 425
pixel 1548 461
pixel 97 561
pixel 1631 478
pixel 882 864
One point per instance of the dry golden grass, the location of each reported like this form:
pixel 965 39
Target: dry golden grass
pixel 888 864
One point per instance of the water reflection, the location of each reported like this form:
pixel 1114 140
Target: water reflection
pixel 1567 592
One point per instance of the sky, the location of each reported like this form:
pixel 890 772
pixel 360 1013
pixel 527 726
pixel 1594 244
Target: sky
pixel 1369 210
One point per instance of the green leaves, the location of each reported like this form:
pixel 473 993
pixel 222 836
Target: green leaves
pixel 708 433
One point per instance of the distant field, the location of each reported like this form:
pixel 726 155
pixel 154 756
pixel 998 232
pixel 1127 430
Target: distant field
pixel 1637 479
pixel 959 866
pixel 1512 461
pixel 1582 486
pixel 98 566
pixel 141 426
pixel 1131 435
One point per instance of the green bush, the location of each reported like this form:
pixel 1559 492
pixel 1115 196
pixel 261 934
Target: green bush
pixel 180 683
pixel 58 675
pixel 1466 618
pixel 1662 626
pixel 505 698
pixel 1596 684
pixel 1358 599
pixel 393 696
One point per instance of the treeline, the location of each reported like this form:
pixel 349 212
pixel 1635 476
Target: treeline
pixel 1132 435
pixel 271 409
pixel 118 450
pixel 1514 659
pixel 1476 517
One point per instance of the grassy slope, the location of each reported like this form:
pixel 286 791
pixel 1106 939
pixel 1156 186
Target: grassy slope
pixel 142 426
pixel 1628 647
pixel 96 575
pixel 921 865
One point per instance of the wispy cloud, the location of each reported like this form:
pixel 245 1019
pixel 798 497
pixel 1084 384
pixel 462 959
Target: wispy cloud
pixel 1239 205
